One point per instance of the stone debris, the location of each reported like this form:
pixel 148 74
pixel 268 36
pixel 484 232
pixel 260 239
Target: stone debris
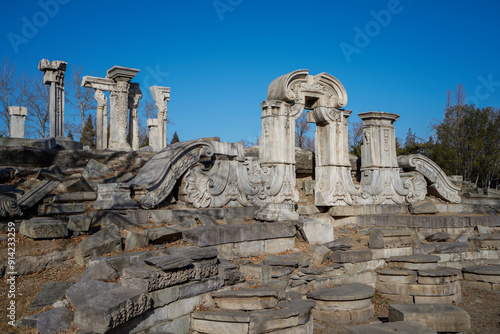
pixel 439 317
pixel 55 320
pixel 50 293
pixel 105 241
pixel 44 228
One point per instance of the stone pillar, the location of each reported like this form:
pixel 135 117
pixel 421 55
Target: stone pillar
pixel 17 118
pixel 101 120
pixel 161 96
pixel 379 166
pixel 334 185
pixel 54 76
pixel 134 96
pixel 119 106
pixel 153 133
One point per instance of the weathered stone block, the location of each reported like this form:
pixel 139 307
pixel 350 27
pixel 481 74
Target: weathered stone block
pixel 385 253
pixel 85 289
pixel 401 327
pixel 101 271
pixel 316 232
pixel 79 223
pixel 423 207
pixel 135 240
pixel 164 296
pixel 390 238
pixel 438 317
pixel 54 320
pixel 50 293
pixel 351 256
pixel 159 235
pixel 221 234
pixel 105 241
pixel 45 228
pixel 111 309
pixel 246 299
pixel 398 276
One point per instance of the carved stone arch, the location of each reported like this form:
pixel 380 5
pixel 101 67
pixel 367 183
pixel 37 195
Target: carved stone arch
pixel 305 91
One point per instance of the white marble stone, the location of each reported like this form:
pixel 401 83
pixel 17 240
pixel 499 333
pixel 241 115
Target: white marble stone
pixel 54 77
pixel 17 119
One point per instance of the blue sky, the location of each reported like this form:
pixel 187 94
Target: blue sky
pixel 220 56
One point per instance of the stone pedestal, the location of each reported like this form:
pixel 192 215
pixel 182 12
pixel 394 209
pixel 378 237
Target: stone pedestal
pixel 54 76
pixel 17 119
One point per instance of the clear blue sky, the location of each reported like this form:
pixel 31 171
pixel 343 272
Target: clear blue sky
pixel 220 56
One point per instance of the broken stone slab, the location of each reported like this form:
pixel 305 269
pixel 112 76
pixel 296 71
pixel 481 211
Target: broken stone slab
pixel 222 234
pixel 230 273
pixel 442 247
pixel 315 231
pixel 54 320
pixel 28 321
pixel 76 183
pixel 206 220
pixel 114 196
pixel 160 235
pixel 50 293
pixel 80 292
pixel 124 178
pixel 390 238
pixel 194 253
pixel 200 287
pixel 321 254
pixel 79 223
pixel 246 299
pixel 111 309
pixel 122 260
pixel 414 221
pixel 45 228
pixel 351 256
pixel 414 262
pixel 37 193
pixel 101 271
pixel 438 237
pixel 169 262
pixel 96 170
pixel 308 187
pixel 134 240
pixel 401 327
pixel 423 207
pixel 339 244
pixel 438 317
pixel 486 240
pixel 105 241
pixel 345 211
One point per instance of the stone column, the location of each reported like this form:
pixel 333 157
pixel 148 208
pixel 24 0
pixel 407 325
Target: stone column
pixel 334 185
pixel 134 96
pixel 379 166
pixel 161 96
pixel 54 76
pixel 101 120
pixel 153 133
pixel 17 118
pixel 119 106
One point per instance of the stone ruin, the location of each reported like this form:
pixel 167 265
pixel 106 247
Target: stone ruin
pixel 204 236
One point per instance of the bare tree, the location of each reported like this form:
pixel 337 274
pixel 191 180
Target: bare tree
pixel 79 97
pixel 149 108
pixel 38 101
pixel 460 95
pixel 302 129
pixel 10 92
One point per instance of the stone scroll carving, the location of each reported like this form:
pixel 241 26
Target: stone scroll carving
pixel 157 178
pixel 438 182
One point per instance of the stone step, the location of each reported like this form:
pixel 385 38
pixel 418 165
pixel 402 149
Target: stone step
pixel 401 327
pixel 414 262
pixel 486 240
pixel 246 299
pixel 353 256
pixel 438 317
pixel 343 303
pixel 390 238
pixel 222 234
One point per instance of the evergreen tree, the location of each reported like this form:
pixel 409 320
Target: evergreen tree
pixel 175 138
pixel 88 133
